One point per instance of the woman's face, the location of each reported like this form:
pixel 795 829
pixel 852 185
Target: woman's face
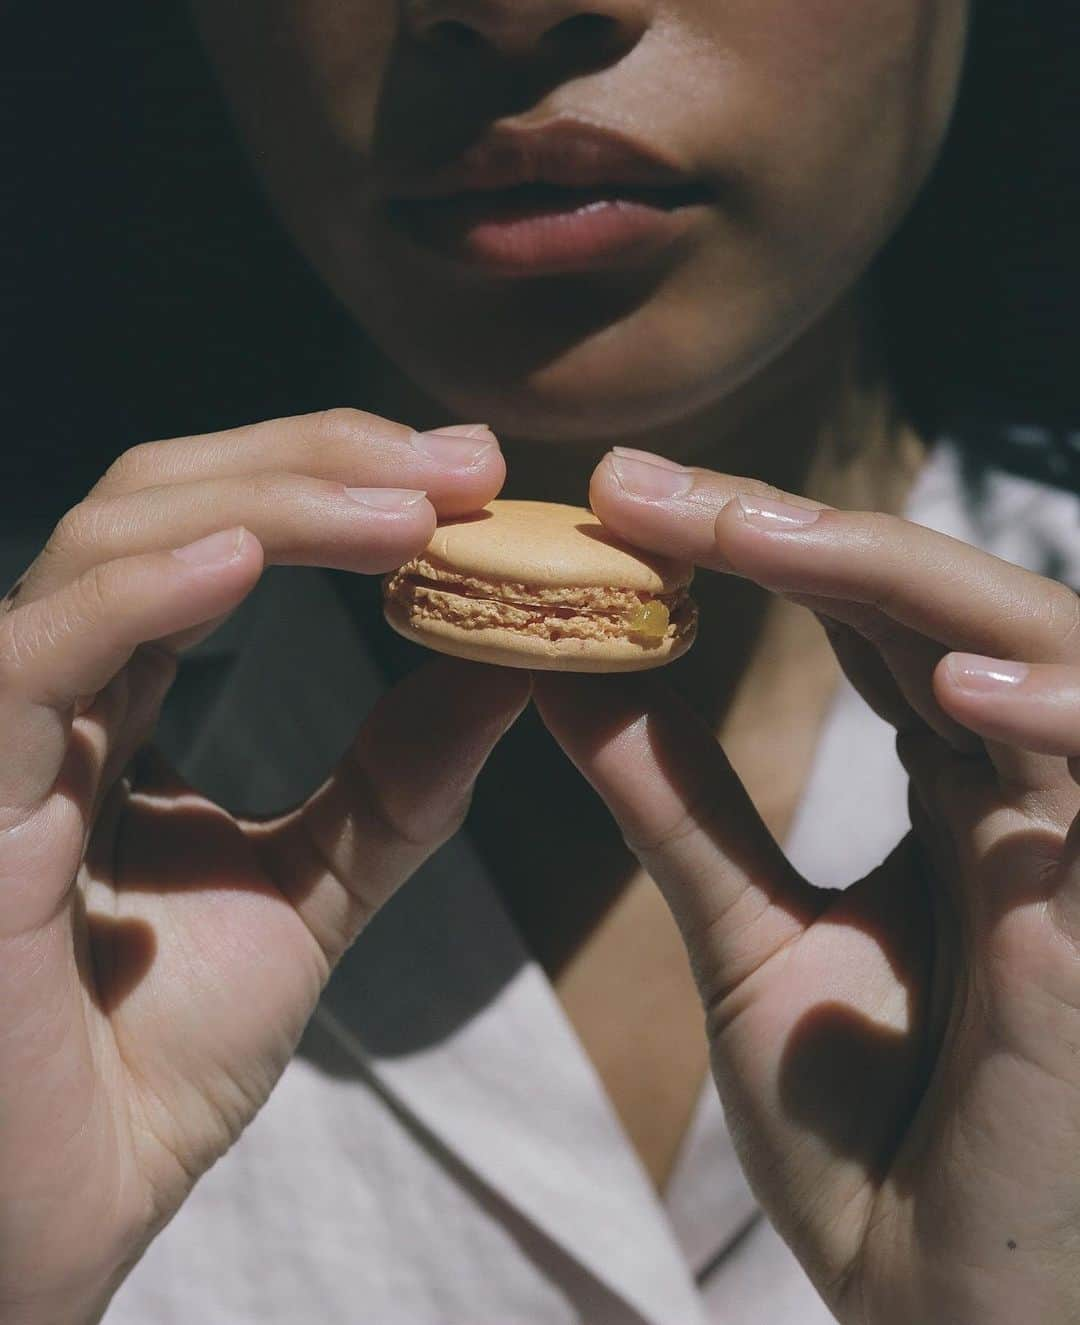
pixel 577 219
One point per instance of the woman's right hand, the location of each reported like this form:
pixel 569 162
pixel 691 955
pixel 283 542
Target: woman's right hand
pixel 160 958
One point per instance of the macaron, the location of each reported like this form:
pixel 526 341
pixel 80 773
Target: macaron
pixel 543 586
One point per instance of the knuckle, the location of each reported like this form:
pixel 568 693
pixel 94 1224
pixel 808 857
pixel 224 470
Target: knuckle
pixel 80 529
pixel 650 841
pixel 420 832
pixel 282 497
pixel 877 532
pixel 873 531
pixel 128 469
pixel 876 527
pixel 1062 614
pixel 12 649
pixel 265 489
pixel 419 828
pixel 23 635
pixel 96 592
pixel 11 598
pixel 342 429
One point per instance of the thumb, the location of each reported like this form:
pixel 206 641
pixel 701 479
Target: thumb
pixel 398 794
pixel 688 819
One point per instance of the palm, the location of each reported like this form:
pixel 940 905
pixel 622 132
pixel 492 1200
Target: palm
pixel 202 977
pixel 901 1074
pixel 181 979
pixel 901 1082
pixel 942 1088
pixel 837 1033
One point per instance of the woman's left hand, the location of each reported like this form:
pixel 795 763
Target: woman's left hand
pixel 899 1061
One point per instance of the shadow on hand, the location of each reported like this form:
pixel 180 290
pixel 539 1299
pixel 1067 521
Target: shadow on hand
pixel 163 838
pixel 848 1080
pixel 118 952
pixel 122 953
pixel 858 1084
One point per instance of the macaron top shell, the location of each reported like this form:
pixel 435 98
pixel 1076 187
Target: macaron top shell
pixel 546 545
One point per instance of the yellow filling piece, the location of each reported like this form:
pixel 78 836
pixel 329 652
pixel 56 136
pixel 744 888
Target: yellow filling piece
pixel 650 619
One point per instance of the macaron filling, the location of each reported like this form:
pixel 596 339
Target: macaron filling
pixel 584 613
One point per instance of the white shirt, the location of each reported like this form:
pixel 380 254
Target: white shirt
pixel 441 1150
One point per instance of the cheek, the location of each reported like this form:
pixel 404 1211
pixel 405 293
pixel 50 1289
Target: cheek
pixel 304 78
pixel 835 77
pixel 342 49
pixel 816 42
pixel 849 105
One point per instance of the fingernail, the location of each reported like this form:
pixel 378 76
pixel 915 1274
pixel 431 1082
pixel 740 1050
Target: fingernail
pixel 640 478
pixel 217 549
pixel 764 513
pixel 386 499
pixel 661 461
pixel 458 447
pixel 969 671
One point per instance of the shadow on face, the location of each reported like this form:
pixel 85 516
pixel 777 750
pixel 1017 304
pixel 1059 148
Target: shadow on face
pixel 575 218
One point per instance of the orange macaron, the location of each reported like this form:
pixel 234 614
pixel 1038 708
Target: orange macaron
pixel 546 587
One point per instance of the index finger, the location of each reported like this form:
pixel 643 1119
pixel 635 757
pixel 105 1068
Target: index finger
pixel 461 468
pixel 945 589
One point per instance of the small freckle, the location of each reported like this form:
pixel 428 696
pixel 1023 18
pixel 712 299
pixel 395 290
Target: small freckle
pixel 1011 1245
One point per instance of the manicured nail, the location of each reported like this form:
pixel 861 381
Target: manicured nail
pixel 386 499
pixel 661 461
pixel 460 446
pixel 216 550
pixel 640 478
pixel 969 671
pixel 764 513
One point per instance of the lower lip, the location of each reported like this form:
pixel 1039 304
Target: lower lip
pixel 515 236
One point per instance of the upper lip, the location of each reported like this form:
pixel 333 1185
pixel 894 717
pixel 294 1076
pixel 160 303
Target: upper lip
pixel 564 153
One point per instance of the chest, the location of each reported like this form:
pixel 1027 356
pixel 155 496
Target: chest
pixel 631 999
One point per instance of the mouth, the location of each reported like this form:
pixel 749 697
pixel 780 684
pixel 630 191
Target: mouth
pixel 564 198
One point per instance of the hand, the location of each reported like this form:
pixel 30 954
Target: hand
pixel 900 1061
pixel 159 958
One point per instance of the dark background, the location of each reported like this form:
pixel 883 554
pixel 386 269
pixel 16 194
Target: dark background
pixel 146 291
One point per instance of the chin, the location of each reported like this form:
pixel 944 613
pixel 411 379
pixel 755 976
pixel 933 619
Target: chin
pixel 645 372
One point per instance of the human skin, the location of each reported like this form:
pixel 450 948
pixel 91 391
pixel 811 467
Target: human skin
pixel 819 120
pixel 897 1060
pixel 125 1067
pixel 815 123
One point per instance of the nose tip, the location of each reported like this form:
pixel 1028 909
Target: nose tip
pixel 581 29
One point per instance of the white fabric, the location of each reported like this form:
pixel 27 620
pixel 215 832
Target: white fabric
pixel 441 1152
